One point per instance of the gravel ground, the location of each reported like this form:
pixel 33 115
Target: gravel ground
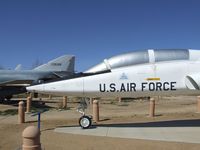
pixel 111 112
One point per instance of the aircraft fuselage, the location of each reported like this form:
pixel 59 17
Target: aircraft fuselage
pixel 164 78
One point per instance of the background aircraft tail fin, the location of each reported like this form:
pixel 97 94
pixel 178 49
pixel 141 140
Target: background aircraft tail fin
pixel 18 67
pixel 63 63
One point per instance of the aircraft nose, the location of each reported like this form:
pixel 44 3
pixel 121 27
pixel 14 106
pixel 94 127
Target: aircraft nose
pixel 35 88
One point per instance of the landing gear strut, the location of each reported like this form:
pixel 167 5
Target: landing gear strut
pixel 85 121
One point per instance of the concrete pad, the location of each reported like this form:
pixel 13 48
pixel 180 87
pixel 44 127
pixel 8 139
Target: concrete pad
pixel 186 134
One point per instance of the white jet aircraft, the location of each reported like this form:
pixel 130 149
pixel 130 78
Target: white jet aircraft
pixel 136 74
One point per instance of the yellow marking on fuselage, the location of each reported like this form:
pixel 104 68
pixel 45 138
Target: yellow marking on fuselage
pixel 153 79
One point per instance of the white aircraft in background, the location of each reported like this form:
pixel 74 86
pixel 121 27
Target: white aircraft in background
pixel 136 74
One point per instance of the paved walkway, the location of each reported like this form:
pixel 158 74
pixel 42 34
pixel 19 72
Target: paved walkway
pixel 184 131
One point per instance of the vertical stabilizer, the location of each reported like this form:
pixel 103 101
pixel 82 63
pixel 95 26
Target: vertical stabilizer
pixel 63 63
pixel 18 67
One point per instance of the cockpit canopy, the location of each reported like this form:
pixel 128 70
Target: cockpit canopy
pixel 140 57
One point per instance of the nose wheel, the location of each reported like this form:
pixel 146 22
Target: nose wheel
pixel 85 122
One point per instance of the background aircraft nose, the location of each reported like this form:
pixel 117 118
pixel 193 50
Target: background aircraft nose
pixel 35 88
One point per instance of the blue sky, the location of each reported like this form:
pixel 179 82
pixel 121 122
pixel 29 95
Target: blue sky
pixel 93 30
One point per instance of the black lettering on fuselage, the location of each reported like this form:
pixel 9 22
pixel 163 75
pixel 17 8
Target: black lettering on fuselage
pixel 166 86
pixel 144 85
pixel 151 86
pixel 122 89
pixel 132 87
pixel 173 86
pixel 112 87
pixel 102 89
pixel 158 86
pixel 127 87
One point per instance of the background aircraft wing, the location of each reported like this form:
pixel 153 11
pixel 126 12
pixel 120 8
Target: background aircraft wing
pixel 16 83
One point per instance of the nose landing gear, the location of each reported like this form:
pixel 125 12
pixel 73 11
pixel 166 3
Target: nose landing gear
pixel 85 122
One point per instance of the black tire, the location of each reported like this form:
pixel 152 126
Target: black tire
pixel 35 95
pixel 85 122
pixel 8 98
pixel 2 99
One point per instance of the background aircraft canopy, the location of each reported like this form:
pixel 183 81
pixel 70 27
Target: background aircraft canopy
pixel 140 57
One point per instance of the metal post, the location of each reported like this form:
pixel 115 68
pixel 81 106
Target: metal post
pixel 152 107
pixel 64 102
pixel 28 104
pixel 39 120
pixel 31 138
pixel 21 114
pixel 31 95
pixel 119 99
pixel 198 104
pixel 91 102
pixel 96 110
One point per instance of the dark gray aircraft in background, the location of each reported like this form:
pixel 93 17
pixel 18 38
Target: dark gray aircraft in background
pixel 15 81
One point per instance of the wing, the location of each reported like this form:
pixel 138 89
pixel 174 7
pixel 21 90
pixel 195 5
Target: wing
pixel 16 83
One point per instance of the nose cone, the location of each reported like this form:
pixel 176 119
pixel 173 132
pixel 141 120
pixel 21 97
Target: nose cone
pixel 35 88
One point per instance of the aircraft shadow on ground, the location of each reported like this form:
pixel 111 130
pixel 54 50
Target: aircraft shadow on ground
pixel 170 123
